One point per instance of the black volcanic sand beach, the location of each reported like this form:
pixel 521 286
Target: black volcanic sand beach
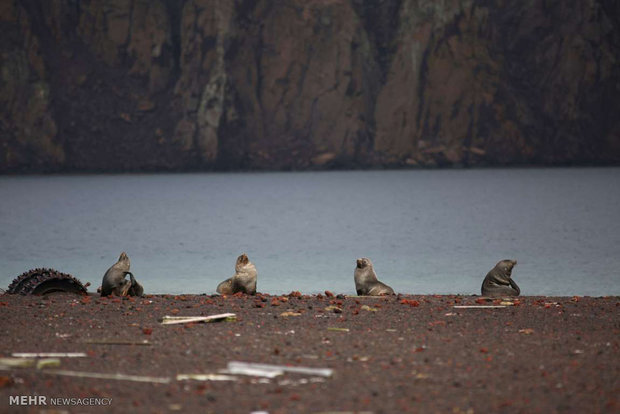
pixel 388 354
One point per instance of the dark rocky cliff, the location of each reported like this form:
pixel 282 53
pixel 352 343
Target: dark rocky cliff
pixel 120 85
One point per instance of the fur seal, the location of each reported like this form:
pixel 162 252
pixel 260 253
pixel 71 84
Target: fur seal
pixel 243 281
pixel 136 288
pixel 114 282
pixel 498 281
pixel 366 283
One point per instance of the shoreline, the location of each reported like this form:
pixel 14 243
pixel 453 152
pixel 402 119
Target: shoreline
pixel 405 353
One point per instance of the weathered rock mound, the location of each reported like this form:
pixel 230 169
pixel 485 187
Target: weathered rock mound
pixel 138 85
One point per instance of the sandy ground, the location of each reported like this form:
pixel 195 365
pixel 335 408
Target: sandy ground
pixel 388 355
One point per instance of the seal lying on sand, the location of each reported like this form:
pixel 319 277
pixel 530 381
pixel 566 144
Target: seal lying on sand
pixel 366 282
pixel 498 281
pixel 114 282
pixel 243 281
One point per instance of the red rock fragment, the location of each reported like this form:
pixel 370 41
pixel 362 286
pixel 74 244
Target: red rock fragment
pixel 410 302
pixel 147 331
pixel 295 294
pixel 275 302
pixel 484 350
pixel 5 381
pixel 329 294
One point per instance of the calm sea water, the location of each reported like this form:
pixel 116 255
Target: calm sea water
pixel 427 232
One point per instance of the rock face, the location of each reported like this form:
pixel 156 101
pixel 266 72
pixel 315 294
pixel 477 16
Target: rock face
pixel 144 85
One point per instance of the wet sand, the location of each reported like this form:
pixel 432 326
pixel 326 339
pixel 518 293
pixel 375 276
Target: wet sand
pixel 388 355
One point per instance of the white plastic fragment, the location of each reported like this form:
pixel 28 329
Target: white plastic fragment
pixel 301 381
pixel 206 377
pixel 253 372
pixel 237 366
pixel 117 376
pixel 16 362
pixel 48 363
pixel 478 306
pixel 172 320
pixel 48 354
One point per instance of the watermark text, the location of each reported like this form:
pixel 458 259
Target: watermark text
pixel 58 401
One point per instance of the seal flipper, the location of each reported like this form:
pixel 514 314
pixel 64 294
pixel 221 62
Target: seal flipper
pixel 515 287
pixel 225 288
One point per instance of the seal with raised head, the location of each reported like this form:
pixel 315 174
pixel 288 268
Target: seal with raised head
pixel 498 281
pixel 366 282
pixel 114 282
pixel 243 281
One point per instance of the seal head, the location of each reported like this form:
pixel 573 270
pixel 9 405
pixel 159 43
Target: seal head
pixel 498 282
pixel 366 282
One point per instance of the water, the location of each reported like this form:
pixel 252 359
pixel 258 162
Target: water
pixel 427 232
